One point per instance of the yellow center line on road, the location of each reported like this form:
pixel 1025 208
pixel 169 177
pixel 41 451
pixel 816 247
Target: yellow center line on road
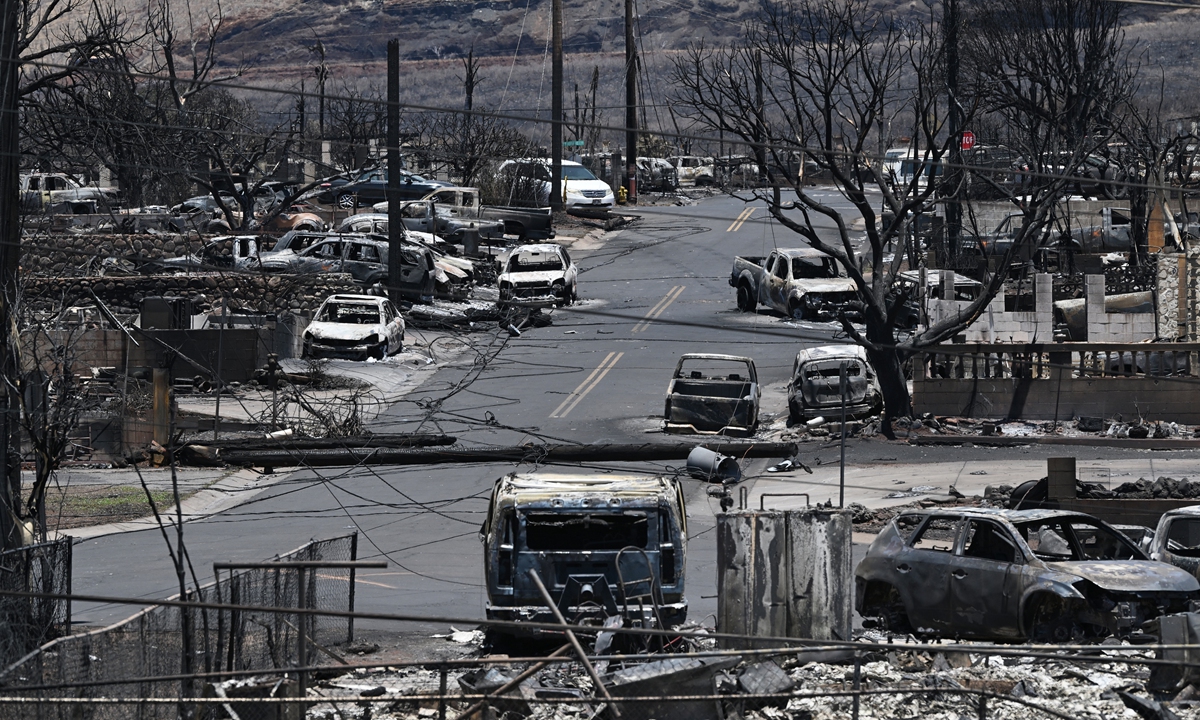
pixel 587 385
pixel 672 295
pixel 743 217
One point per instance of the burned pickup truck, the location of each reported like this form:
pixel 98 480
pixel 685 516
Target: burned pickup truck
pixel 1040 575
pixel 603 545
pixel 712 393
pixel 802 283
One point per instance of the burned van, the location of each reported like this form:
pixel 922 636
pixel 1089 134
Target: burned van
pixel 603 545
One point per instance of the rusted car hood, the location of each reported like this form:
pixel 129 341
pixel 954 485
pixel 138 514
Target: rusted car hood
pixel 821 286
pixel 1130 575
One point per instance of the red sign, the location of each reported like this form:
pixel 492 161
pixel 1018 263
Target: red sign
pixel 968 140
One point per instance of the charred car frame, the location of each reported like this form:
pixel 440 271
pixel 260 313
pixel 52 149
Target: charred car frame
pixel 604 545
pixel 1040 575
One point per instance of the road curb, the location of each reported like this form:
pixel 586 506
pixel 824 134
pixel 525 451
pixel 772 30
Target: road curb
pixel 228 492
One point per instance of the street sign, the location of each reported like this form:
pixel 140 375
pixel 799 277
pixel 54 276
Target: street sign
pixel 572 143
pixel 968 140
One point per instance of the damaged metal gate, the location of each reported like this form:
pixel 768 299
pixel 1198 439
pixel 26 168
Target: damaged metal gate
pixel 785 574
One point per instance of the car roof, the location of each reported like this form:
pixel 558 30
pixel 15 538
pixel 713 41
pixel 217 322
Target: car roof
pixel 545 161
pixel 803 252
pixel 540 247
pixel 832 352
pixel 363 299
pixel 532 487
pixel 1189 510
pixel 1013 516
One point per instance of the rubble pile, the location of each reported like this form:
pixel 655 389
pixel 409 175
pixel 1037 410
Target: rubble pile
pixel 1163 487
pixel 297 294
pixel 925 683
pixel 1079 427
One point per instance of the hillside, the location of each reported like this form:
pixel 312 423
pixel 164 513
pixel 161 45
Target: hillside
pixel 273 41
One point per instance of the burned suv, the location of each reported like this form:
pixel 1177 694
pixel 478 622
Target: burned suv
pixel 604 546
pixel 1041 575
pixel 816 385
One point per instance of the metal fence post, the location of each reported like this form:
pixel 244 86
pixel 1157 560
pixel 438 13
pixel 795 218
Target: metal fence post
pixel 301 644
pixel 442 671
pixel 857 683
pixel 983 707
pixel 353 558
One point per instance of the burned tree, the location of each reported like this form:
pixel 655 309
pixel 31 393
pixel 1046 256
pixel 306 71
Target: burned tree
pixel 52 400
pixel 468 143
pixel 826 81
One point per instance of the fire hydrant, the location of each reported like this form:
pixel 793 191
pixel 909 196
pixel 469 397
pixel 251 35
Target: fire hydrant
pixel 622 195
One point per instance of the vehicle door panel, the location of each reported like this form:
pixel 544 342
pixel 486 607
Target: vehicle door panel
pixel 362 262
pixel 985 582
pixel 765 292
pixel 321 257
pixel 925 563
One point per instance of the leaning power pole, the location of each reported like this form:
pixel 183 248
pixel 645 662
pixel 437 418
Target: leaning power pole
pixel 10 251
pixel 954 175
pixel 631 123
pixel 556 108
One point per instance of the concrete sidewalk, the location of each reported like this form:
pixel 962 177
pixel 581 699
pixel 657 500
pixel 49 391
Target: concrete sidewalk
pixel 213 491
pixel 871 483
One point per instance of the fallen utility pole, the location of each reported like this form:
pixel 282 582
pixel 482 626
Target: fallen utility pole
pixel 274 456
pixel 399 440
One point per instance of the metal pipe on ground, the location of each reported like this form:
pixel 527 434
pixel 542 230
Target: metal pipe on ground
pixel 270 456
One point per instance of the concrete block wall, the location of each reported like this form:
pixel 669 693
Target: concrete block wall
pixel 997 324
pixel 1113 327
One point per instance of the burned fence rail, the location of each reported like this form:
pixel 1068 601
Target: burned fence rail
pixel 122 661
pixel 865 679
pixel 27 622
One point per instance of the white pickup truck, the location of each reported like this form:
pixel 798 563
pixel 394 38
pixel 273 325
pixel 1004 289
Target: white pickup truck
pixel 802 283
pixel 44 190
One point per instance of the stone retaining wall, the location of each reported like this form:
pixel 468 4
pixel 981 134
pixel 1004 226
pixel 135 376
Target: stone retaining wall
pixel 278 294
pixel 74 253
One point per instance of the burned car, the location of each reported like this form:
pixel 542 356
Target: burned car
pixel 802 283
pixel 357 327
pixel 816 385
pixel 1040 575
pixel 712 393
pixel 537 276
pixel 1176 540
pixel 604 546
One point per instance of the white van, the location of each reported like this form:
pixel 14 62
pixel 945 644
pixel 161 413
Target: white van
pixel 580 188
pixel 901 164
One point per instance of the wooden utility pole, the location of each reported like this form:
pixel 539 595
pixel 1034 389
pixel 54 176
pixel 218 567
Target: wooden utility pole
pixel 395 220
pixel 10 252
pixel 556 110
pixel 631 125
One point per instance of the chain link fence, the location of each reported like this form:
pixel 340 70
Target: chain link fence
pixel 146 666
pixel 27 622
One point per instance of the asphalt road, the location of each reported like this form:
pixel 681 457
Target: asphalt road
pixel 597 374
